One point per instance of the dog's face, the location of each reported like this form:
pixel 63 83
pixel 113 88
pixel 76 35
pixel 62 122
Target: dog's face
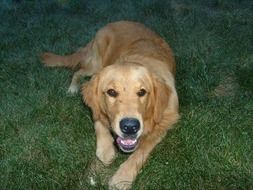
pixel 124 94
pixel 126 90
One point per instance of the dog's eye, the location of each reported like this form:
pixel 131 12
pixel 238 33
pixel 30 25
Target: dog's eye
pixel 112 93
pixel 141 92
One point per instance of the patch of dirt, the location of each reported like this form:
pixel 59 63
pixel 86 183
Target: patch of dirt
pixel 227 87
pixel 180 8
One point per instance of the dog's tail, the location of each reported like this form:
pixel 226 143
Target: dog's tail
pixel 69 61
pixel 53 60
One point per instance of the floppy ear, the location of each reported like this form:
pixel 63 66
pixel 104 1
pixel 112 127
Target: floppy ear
pixel 161 93
pixel 91 96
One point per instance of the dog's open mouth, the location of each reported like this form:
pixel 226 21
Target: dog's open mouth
pixel 127 144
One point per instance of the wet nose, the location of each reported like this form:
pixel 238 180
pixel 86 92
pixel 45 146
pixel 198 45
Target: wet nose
pixel 129 126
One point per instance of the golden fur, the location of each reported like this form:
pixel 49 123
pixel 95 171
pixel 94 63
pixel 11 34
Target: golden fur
pixel 125 57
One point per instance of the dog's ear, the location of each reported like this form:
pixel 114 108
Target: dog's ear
pixel 161 94
pixel 91 96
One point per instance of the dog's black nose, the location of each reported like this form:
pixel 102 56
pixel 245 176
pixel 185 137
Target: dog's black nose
pixel 129 126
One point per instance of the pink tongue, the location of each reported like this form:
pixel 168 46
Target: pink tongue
pixel 126 141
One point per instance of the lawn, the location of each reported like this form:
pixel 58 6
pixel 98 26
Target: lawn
pixel 47 138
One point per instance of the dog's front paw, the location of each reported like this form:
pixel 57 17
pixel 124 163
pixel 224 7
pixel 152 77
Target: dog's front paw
pixel 120 181
pixel 106 154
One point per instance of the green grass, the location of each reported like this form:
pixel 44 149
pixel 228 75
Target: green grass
pixel 46 136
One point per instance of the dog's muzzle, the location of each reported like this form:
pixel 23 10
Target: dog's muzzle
pixel 128 141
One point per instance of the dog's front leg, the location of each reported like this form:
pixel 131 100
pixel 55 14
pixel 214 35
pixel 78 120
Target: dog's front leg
pixel 128 171
pixel 105 148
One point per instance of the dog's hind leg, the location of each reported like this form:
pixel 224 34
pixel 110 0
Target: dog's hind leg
pixel 85 60
pixel 74 86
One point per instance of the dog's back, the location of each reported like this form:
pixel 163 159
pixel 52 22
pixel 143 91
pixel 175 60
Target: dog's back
pixel 112 43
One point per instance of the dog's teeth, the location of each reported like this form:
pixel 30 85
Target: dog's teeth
pixel 128 142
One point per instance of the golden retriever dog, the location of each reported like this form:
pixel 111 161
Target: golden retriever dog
pixel 132 92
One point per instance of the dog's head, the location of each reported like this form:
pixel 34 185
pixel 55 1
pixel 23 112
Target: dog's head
pixel 127 96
